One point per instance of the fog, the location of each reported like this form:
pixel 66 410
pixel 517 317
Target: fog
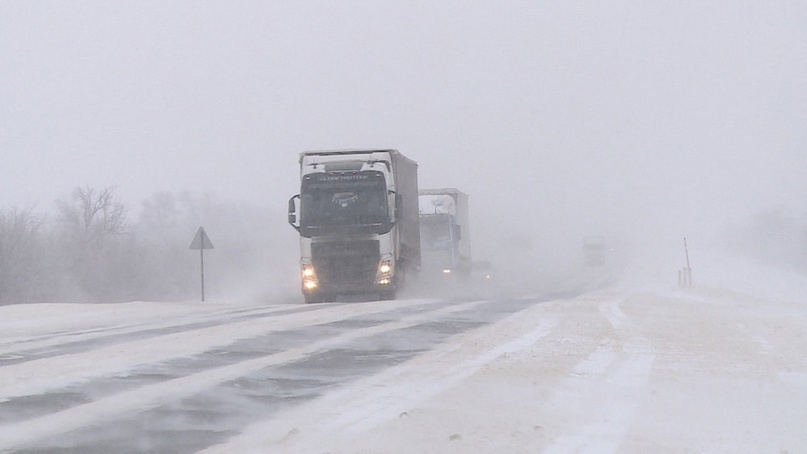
pixel 641 122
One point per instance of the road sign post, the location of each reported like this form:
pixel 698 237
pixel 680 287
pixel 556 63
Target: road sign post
pixel 201 242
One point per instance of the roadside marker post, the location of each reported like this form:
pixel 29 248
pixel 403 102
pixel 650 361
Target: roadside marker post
pixel 685 274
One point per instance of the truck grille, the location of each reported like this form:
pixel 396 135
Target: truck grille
pixel 340 263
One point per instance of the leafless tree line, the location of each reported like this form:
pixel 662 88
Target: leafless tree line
pixel 91 251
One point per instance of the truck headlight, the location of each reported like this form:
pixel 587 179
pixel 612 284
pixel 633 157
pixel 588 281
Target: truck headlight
pixel 385 269
pixel 310 281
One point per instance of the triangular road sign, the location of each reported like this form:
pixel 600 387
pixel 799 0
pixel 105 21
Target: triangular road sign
pixel 201 241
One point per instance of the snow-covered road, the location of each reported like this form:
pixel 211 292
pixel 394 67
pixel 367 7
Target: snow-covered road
pixel 611 371
pixel 700 371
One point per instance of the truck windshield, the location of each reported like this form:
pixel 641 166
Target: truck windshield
pixel 344 199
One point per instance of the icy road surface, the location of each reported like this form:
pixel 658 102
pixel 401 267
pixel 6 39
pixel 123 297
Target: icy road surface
pixel 612 371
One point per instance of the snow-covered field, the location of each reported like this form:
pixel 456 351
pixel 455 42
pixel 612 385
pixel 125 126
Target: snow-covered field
pixel 634 368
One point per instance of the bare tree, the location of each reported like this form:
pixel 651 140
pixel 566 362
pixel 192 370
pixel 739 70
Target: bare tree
pixel 91 242
pixel 96 213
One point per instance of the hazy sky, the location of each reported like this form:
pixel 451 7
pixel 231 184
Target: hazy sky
pixel 556 117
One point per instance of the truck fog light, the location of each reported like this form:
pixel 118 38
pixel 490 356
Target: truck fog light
pixel 310 285
pixel 384 281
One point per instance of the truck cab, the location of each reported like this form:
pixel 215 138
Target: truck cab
pixel 357 223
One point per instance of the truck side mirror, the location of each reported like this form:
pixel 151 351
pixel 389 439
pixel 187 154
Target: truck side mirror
pixel 397 209
pixel 293 212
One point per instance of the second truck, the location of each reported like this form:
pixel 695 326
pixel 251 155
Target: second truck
pixel 444 234
pixel 357 215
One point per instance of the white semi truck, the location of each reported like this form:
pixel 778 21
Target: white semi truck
pixel 358 223
pixel 445 234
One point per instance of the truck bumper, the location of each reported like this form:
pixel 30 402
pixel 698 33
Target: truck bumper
pixel 335 292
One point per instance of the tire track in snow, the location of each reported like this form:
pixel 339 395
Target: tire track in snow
pixel 41 375
pixel 363 405
pixel 152 396
pixel 21 348
pixel 605 389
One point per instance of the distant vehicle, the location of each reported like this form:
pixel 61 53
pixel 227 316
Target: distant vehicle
pixel 445 237
pixel 358 223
